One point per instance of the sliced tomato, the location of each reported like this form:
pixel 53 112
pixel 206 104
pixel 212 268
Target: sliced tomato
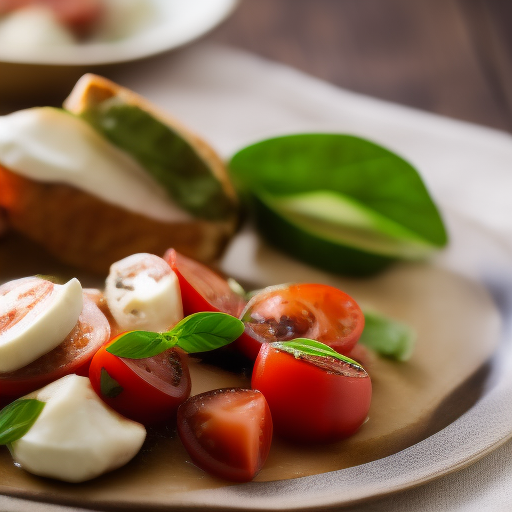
pixel 73 355
pixel 316 311
pixel 227 432
pixel 201 288
pixel 98 298
pixel 312 398
pixel 145 390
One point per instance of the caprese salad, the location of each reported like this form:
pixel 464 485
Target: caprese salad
pixel 85 372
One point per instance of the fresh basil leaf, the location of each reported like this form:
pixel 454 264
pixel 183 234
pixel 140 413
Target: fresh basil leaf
pixel 165 154
pixel 109 386
pixel 304 346
pixel 17 418
pixel 339 202
pixel 139 344
pixel 388 337
pixel 201 332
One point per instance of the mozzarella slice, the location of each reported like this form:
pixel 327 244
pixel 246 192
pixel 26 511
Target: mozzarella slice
pixel 54 146
pixel 76 437
pixel 42 327
pixel 143 292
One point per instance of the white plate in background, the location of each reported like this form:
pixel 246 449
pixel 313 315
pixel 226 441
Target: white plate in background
pixel 168 25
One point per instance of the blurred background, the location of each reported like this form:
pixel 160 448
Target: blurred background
pixel 451 57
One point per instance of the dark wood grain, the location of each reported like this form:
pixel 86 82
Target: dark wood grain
pixel 447 56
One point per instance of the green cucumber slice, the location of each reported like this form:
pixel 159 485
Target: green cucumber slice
pixel 165 154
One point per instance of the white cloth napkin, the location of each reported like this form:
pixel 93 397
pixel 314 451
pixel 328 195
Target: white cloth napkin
pixel 232 98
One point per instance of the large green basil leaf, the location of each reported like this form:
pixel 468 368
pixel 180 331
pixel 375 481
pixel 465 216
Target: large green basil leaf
pixel 338 194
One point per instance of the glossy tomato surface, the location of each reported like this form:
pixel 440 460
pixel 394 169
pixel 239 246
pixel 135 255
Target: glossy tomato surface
pixel 145 390
pixel 227 432
pixel 201 288
pixel 312 398
pixel 315 311
pixel 73 355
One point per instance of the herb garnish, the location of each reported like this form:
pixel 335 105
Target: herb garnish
pixel 199 332
pixel 17 418
pixel 305 346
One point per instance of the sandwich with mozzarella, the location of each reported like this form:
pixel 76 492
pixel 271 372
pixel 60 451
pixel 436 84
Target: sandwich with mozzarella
pixel 109 175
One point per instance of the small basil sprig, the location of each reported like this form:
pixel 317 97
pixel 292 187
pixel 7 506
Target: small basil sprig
pixel 108 385
pixel 199 332
pixel 17 418
pixel 304 346
pixel 388 337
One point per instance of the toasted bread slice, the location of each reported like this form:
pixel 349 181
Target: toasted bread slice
pixel 91 233
pixel 92 90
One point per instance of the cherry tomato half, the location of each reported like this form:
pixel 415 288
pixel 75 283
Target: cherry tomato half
pixel 145 390
pixel 315 311
pixel 73 355
pixel 312 398
pixel 201 288
pixel 227 432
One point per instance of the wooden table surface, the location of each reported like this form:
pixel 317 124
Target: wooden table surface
pixel 452 57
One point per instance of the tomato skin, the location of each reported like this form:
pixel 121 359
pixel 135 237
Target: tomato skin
pixel 201 288
pixel 310 403
pixel 314 311
pixel 227 432
pixel 73 355
pixel 152 388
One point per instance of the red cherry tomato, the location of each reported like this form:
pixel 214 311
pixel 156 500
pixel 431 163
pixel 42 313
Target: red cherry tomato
pixel 73 355
pixel 201 288
pixel 312 398
pixel 315 311
pixel 227 432
pixel 145 390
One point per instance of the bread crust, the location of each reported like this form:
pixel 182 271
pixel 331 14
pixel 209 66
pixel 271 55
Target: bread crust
pixel 91 234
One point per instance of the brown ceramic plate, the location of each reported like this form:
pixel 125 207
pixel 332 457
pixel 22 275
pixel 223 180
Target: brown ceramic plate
pixel 421 409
